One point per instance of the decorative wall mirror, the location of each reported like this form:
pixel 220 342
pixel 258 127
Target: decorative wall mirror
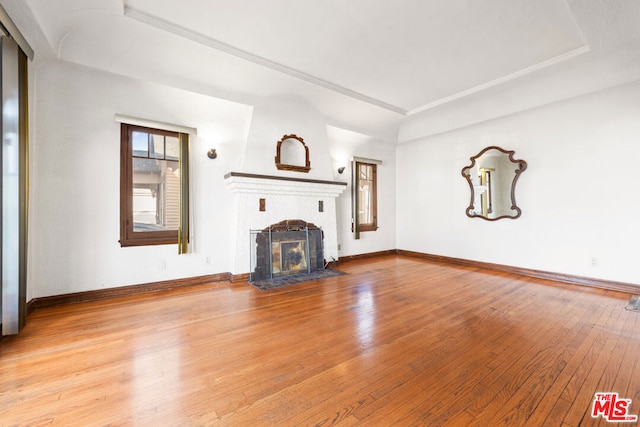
pixel 292 154
pixel 492 177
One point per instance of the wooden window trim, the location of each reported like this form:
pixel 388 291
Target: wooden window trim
pixel 129 237
pixel 356 226
pixel 371 226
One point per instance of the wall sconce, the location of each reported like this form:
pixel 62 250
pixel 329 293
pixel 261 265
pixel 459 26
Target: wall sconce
pixel 341 169
pixel 212 154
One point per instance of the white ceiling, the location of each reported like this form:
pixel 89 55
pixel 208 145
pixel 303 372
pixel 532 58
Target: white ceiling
pixel 399 54
pixel 386 59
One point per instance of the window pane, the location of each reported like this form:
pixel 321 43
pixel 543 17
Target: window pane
pixel 157 147
pixel 156 195
pixel 140 144
pixel 173 148
pixel 366 202
pixel 365 172
pixel 366 194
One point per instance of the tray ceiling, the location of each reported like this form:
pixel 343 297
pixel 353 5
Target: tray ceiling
pixel 375 60
pixel 402 55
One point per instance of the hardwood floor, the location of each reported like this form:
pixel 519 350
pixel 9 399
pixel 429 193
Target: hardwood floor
pixel 395 341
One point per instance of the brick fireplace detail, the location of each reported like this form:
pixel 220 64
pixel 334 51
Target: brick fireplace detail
pixel 284 197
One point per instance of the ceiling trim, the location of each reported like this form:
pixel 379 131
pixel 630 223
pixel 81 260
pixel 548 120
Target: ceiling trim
pixel 536 67
pixel 186 33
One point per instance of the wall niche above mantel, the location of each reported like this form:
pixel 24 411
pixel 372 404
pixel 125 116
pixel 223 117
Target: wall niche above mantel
pixel 292 154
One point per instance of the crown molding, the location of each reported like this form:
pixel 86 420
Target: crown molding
pixel 536 67
pixel 186 33
pixel 202 39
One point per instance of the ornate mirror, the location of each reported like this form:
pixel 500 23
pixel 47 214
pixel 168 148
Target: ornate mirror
pixel 292 154
pixel 492 177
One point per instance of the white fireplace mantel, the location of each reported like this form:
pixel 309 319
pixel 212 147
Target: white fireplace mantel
pixel 267 184
pixel 284 198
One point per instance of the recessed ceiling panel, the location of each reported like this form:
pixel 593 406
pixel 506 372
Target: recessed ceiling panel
pixel 406 53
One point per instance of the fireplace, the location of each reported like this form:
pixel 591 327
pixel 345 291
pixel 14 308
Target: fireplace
pixel 287 248
pixel 284 197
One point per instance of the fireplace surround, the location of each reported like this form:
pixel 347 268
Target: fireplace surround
pixel 284 197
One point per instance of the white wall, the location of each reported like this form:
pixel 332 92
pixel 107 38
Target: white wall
pixel 345 144
pixel 75 181
pixel 579 195
pixel 75 164
pixel 278 116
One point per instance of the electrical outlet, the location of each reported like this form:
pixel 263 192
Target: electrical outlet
pixel 207 259
pixel 594 261
pixel 162 264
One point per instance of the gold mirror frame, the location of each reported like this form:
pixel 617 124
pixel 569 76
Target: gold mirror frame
pixel 466 172
pixel 297 168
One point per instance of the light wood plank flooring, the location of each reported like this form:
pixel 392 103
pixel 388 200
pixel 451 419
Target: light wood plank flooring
pixel 395 341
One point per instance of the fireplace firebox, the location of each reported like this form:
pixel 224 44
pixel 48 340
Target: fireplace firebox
pixel 287 248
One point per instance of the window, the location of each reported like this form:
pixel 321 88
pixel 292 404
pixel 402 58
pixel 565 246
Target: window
pixel 153 187
pixel 365 216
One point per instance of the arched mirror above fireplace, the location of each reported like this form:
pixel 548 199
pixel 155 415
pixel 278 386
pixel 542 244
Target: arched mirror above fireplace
pixel 292 154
